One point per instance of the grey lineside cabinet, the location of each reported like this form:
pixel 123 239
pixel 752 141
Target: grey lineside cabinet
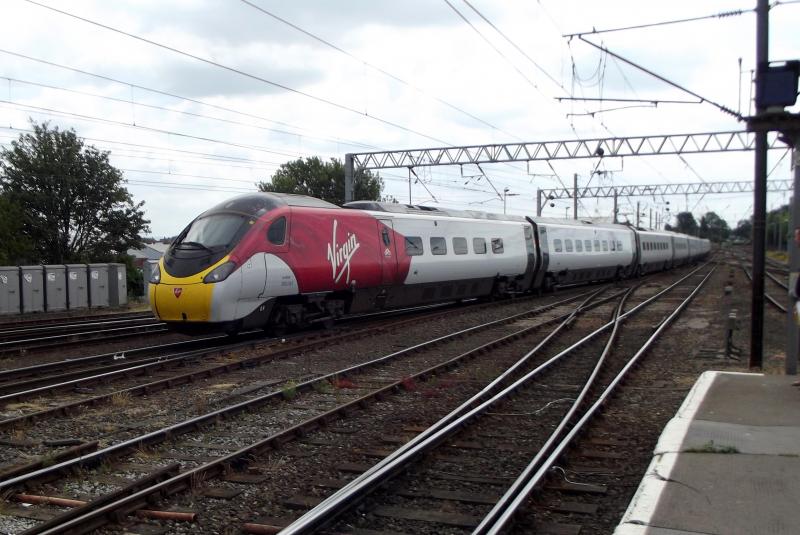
pixel 55 288
pixel 9 290
pixel 98 285
pixel 77 286
pixel 117 285
pixel 32 288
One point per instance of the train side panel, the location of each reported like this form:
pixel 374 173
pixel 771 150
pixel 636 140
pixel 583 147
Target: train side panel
pixel 585 252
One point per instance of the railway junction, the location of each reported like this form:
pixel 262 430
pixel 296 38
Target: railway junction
pixel 528 415
pixel 307 365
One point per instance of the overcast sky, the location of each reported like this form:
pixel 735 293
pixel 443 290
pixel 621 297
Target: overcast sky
pixel 405 74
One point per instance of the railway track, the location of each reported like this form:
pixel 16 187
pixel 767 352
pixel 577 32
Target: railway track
pixel 41 320
pixel 148 370
pixel 332 386
pixel 28 338
pixel 778 298
pixel 522 429
pixel 332 394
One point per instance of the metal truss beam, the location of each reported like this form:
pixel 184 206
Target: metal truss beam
pixel 563 150
pixel 543 196
pixel 645 190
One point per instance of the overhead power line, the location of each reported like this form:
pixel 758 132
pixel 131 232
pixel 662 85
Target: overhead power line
pixel 221 157
pixel 40 109
pixel 724 14
pixel 499 52
pixel 722 108
pixel 512 43
pixel 374 67
pixel 171 110
pixel 343 141
pixel 240 72
pixel 172 173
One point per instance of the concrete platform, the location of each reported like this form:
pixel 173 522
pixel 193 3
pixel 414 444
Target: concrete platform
pixel 728 463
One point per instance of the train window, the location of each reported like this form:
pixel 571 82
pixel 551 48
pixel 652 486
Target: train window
pixel 568 245
pixel 578 246
pixel 587 244
pixel 385 236
pixel 276 234
pixel 605 245
pixel 619 245
pixel 613 245
pixel 479 245
pixel 413 245
pixel 597 245
pixel 460 245
pixel 557 246
pixel 497 245
pixel 438 246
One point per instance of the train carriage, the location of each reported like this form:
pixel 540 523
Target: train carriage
pixel 277 260
pixel 579 251
pixel 656 251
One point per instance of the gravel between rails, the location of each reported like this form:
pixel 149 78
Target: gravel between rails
pixel 157 409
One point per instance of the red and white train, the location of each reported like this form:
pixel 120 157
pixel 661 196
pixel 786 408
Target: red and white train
pixel 277 260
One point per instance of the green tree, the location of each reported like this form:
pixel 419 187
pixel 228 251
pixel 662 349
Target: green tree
pixel 685 223
pixel 777 227
pixel 744 229
pixel 15 248
pixel 73 201
pixel 324 180
pixel 714 227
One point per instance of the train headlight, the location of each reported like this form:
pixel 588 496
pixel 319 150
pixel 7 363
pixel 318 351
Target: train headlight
pixel 155 274
pixel 220 273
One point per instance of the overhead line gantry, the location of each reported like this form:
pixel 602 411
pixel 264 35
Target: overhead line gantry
pixel 617 147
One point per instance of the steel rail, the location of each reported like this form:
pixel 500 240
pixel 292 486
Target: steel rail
pixel 117 331
pixel 503 512
pixel 26 371
pixel 34 321
pixel 206 372
pixel 218 465
pixel 774 302
pixel 334 505
pixel 186 425
pixel 777 281
pixel 78 327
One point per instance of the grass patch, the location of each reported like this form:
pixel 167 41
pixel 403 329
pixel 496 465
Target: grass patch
pixel 121 399
pixel 710 447
pixel 289 390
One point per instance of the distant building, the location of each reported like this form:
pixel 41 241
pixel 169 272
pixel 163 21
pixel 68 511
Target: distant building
pixel 150 251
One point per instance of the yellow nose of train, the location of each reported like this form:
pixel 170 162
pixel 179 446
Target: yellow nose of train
pixel 183 299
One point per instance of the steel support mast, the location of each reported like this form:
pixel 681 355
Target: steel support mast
pixel 759 193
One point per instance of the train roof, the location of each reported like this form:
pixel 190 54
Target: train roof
pixel 579 223
pixel 255 204
pixel 417 209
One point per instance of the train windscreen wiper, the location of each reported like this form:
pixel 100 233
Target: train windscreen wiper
pixel 193 245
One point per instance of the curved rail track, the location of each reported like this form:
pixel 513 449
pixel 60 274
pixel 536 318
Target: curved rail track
pixel 142 466
pixel 779 296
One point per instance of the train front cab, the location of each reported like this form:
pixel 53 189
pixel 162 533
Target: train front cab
pixel 208 280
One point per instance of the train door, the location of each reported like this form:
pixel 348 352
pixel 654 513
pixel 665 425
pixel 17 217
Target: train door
pixel 388 249
pixel 254 277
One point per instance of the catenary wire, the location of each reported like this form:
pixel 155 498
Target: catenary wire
pixel 375 67
pixel 487 41
pixel 240 72
pixel 512 43
pixel 90 118
pixel 180 97
pixel 181 112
